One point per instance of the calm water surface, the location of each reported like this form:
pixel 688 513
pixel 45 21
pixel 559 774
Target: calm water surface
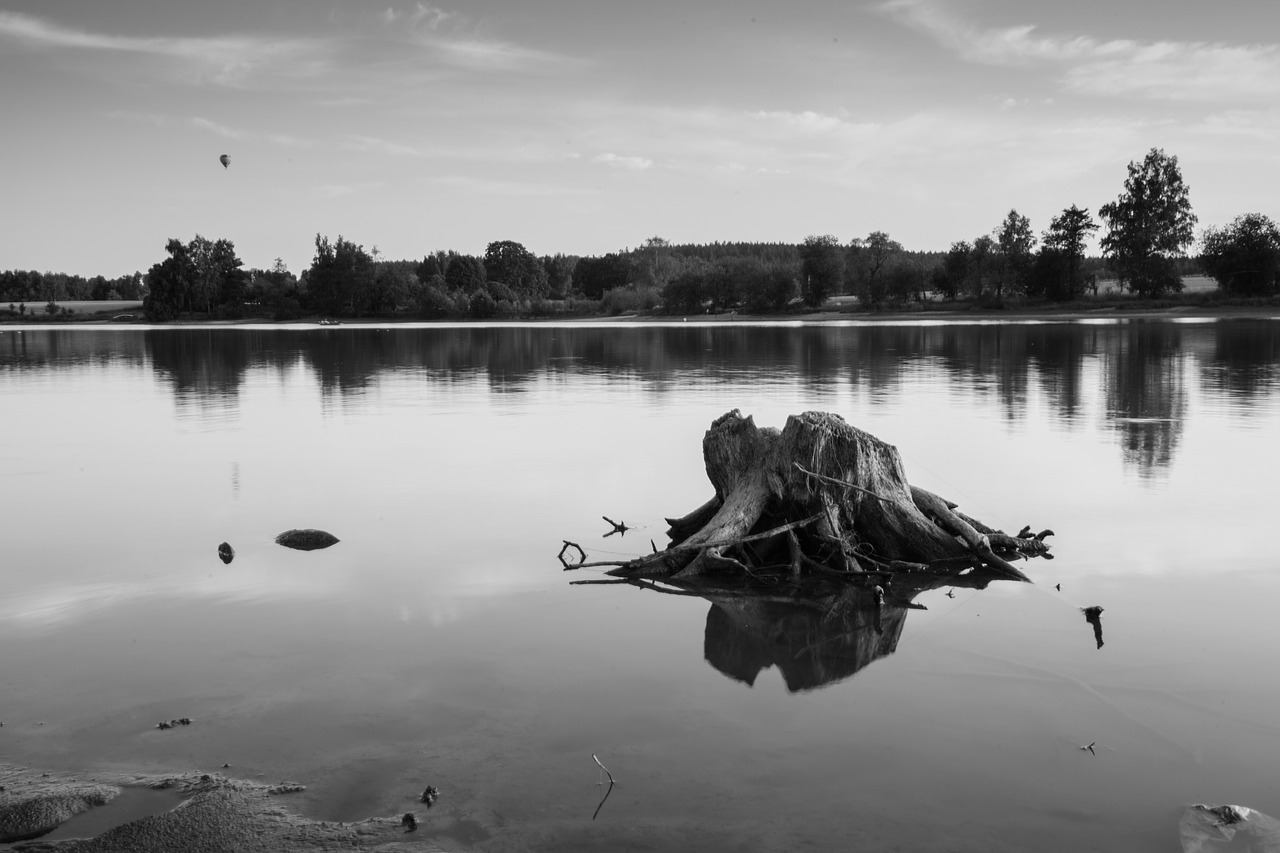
pixel 440 643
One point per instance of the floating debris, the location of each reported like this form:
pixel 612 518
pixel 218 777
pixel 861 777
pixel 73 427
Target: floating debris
pixel 429 795
pixel 619 527
pixel 1093 615
pixel 226 553
pixel 582 555
pixel 181 721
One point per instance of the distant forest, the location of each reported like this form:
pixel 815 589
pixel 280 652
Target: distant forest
pixel 1149 228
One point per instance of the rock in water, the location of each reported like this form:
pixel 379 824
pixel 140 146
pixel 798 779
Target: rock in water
pixel 226 552
pixel 306 540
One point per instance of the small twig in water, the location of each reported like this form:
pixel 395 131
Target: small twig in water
pixel 582 555
pixel 602 767
pixel 619 527
pixel 1089 748
pixel 608 791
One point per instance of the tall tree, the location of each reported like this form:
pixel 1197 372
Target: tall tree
pixel 559 274
pixel 464 274
pixel 870 259
pixel 515 266
pixel 219 281
pixel 341 277
pixel 1015 243
pixel 950 276
pixel 981 263
pixel 1062 256
pixel 169 284
pixel 202 275
pixel 1243 257
pixel 655 263
pixel 821 268
pixel 592 276
pixel 1149 225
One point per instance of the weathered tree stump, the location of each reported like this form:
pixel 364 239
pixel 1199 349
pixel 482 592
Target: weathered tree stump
pixel 820 496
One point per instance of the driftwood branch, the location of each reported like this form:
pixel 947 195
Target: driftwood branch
pixel 619 527
pixel 582 556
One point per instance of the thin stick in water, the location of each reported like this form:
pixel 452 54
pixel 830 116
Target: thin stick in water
pixel 602 767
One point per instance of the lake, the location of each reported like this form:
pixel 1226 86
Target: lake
pixel 441 643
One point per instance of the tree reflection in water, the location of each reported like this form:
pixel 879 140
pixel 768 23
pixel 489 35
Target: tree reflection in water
pixel 1137 377
pixel 815 631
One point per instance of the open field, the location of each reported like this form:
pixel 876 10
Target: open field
pixel 98 306
pixel 87 307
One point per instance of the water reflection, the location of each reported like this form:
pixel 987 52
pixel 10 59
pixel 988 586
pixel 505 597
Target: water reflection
pixel 1133 377
pixel 1243 364
pixel 812 642
pixel 815 634
pixel 1146 394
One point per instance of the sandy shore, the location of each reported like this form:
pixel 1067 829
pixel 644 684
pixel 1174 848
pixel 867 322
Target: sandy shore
pixel 1038 313
pixel 185 813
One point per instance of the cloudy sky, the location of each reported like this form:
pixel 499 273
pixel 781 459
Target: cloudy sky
pixel 585 126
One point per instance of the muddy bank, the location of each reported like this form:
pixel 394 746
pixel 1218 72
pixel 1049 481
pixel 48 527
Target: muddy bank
pixel 204 813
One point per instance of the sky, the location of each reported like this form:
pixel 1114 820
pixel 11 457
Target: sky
pixel 587 126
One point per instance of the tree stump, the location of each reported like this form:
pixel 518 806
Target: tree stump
pixel 821 496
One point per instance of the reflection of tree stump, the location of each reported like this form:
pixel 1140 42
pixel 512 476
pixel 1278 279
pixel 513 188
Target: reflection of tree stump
pixel 812 642
pixel 819 496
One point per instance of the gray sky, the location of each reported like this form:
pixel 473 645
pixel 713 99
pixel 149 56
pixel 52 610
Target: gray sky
pixel 585 127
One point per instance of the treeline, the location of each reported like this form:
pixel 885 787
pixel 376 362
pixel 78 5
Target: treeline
pixel 1148 230
pixel 29 286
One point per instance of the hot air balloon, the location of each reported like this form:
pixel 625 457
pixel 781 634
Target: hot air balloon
pixel 225 161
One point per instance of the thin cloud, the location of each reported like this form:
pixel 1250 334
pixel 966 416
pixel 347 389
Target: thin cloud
pixel 494 55
pixel 220 129
pixel 344 101
pixel 133 115
pixel 617 161
pixel 430 17
pixel 1169 71
pixel 221 59
pixel 506 189
pixel 343 190
pixel 1164 70
pixel 373 145
pixel 810 122
pixel 1255 124
pixel 288 141
pixel 452 39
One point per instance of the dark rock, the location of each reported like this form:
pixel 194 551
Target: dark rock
pixel 306 540
pixel 226 553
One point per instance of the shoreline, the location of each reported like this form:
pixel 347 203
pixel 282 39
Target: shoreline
pixel 1182 313
pixel 199 813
